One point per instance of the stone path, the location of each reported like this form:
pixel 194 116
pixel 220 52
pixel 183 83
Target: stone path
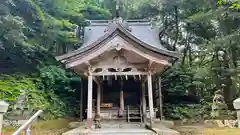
pixel 122 131
pixel 113 129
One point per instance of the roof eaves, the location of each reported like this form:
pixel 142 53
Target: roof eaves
pixel 88 47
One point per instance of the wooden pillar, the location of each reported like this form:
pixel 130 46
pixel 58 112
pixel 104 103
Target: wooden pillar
pixel 102 83
pixel 150 97
pixel 121 109
pixel 89 107
pixel 81 99
pixel 98 99
pixel 143 102
pixel 160 98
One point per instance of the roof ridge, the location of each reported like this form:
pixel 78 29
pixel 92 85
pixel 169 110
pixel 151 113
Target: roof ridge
pixel 129 22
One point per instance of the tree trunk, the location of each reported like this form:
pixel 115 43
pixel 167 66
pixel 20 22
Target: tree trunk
pixel 185 49
pixel 228 89
pixel 177 27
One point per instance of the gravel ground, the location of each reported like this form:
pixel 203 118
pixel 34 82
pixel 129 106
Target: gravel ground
pixel 51 127
pixel 207 131
pixel 42 132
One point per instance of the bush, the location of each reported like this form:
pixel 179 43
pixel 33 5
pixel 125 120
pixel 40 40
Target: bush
pixel 50 92
pixel 187 111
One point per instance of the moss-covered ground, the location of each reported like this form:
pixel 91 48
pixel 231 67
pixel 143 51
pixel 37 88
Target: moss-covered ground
pixel 51 127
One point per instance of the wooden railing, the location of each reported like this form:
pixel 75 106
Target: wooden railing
pixel 27 126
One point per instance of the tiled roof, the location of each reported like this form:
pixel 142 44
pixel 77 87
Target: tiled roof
pixel 141 31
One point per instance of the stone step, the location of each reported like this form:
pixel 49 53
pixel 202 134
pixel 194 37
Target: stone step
pixel 122 131
pixel 110 131
pixel 165 131
pixel 123 134
pixel 124 125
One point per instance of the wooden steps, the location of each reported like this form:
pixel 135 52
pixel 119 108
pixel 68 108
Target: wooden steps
pixel 134 115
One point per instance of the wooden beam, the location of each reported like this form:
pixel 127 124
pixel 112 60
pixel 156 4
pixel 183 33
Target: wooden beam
pixel 129 65
pixel 119 73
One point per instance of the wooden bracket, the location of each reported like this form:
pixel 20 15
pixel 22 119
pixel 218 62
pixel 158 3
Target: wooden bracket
pixel 150 64
pixel 98 82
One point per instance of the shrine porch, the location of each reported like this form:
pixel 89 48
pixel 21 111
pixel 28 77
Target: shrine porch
pixel 129 114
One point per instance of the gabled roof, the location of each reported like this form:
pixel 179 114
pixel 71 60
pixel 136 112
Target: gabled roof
pixel 141 32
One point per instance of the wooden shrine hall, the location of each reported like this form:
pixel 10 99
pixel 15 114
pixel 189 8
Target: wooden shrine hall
pixel 120 60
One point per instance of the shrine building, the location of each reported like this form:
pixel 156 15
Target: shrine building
pixel 119 60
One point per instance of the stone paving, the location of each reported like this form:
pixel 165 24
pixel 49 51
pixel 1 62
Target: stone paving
pixel 122 129
pixel 113 129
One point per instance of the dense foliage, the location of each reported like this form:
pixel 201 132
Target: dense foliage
pixel 32 32
pixel 207 32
